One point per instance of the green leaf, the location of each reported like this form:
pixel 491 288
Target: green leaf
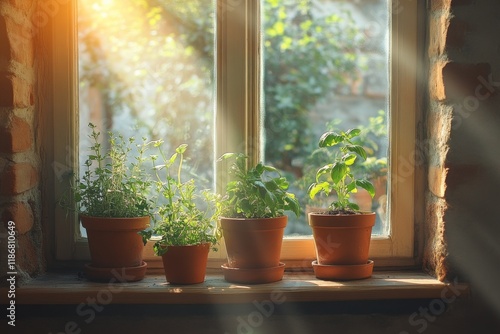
pixel 349 159
pixel 351 187
pixel 315 188
pixel 172 159
pixel 339 171
pixel 226 156
pixel 353 206
pixel 270 169
pixel 292 204
pixel 259 168
pixel 351 133
pixel 323 170
pixel 181 149
pixel 271 185
pixel 330 139
pixel 260 185
pixel 358 150
pixel 367 185
pixel 282 182
pixel 270 199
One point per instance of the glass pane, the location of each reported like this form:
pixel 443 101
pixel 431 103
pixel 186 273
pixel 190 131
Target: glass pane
pixel 326 68
pixel 146 68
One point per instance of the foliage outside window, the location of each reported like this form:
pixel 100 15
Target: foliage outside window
pixel 149 64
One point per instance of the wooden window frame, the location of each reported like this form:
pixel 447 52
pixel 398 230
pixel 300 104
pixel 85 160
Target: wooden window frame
pixel 238 116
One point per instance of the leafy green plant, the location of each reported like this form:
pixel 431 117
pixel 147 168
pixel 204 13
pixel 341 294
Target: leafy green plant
pixel 257 192
pixel 308 54
pixel 339 178
pixel 179 220
pixel 371 137
pixel 110 185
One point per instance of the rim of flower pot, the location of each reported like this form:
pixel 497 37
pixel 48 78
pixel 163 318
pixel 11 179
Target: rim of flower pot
pixel 115 223
pixel 228 223
pixel 363 219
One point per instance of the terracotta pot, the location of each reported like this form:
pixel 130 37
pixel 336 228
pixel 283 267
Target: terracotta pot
pixel 186 264
pixel 114 242
pixel 342 239
pixel 253 243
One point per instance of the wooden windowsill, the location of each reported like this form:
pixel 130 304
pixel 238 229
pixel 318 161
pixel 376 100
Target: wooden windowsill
pixel 69 288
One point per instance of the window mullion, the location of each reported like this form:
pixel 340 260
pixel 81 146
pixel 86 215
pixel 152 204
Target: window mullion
pixel 64 101
pixel 238 81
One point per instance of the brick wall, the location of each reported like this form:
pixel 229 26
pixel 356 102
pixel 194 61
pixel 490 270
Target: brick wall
pixel 463 123
pixel 19 157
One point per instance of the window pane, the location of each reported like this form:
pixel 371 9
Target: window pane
pixel 146 68
pixel 325 68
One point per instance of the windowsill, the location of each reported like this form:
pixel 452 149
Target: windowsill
pixel 69 288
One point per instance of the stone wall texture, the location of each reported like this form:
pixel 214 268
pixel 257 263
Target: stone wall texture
pixel 462 126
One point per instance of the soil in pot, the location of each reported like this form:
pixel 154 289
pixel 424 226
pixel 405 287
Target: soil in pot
pixel 186 264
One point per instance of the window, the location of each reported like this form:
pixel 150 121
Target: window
pixel 147 69
pixel 241 109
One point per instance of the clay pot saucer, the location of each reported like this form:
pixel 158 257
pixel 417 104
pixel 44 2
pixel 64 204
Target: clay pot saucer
pixel 344 272
pixel 253 276
pixel 116 275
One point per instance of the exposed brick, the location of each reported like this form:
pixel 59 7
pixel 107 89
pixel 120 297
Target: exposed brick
pixel 4 42
pixel 439 122
pixel 435 252
pixel 462 80
pixel 15 92
pixel 6 91
pixel 17 137
pixel 17 179
pixel 438 27
pixel 21 214
pixel 20 42
pixel 436 180
pixel 22 5
pixel 436 86
pixel 455 37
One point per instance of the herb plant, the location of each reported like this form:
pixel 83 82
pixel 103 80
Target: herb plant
pixel 337 176
pixel 257 192
pixel 110 185
pixel 179 220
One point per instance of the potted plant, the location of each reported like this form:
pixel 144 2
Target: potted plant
pixel 375 170
pixel 342 234
pixel 253 221
pixel 374 167
pixel 113 207
pixel 183 221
